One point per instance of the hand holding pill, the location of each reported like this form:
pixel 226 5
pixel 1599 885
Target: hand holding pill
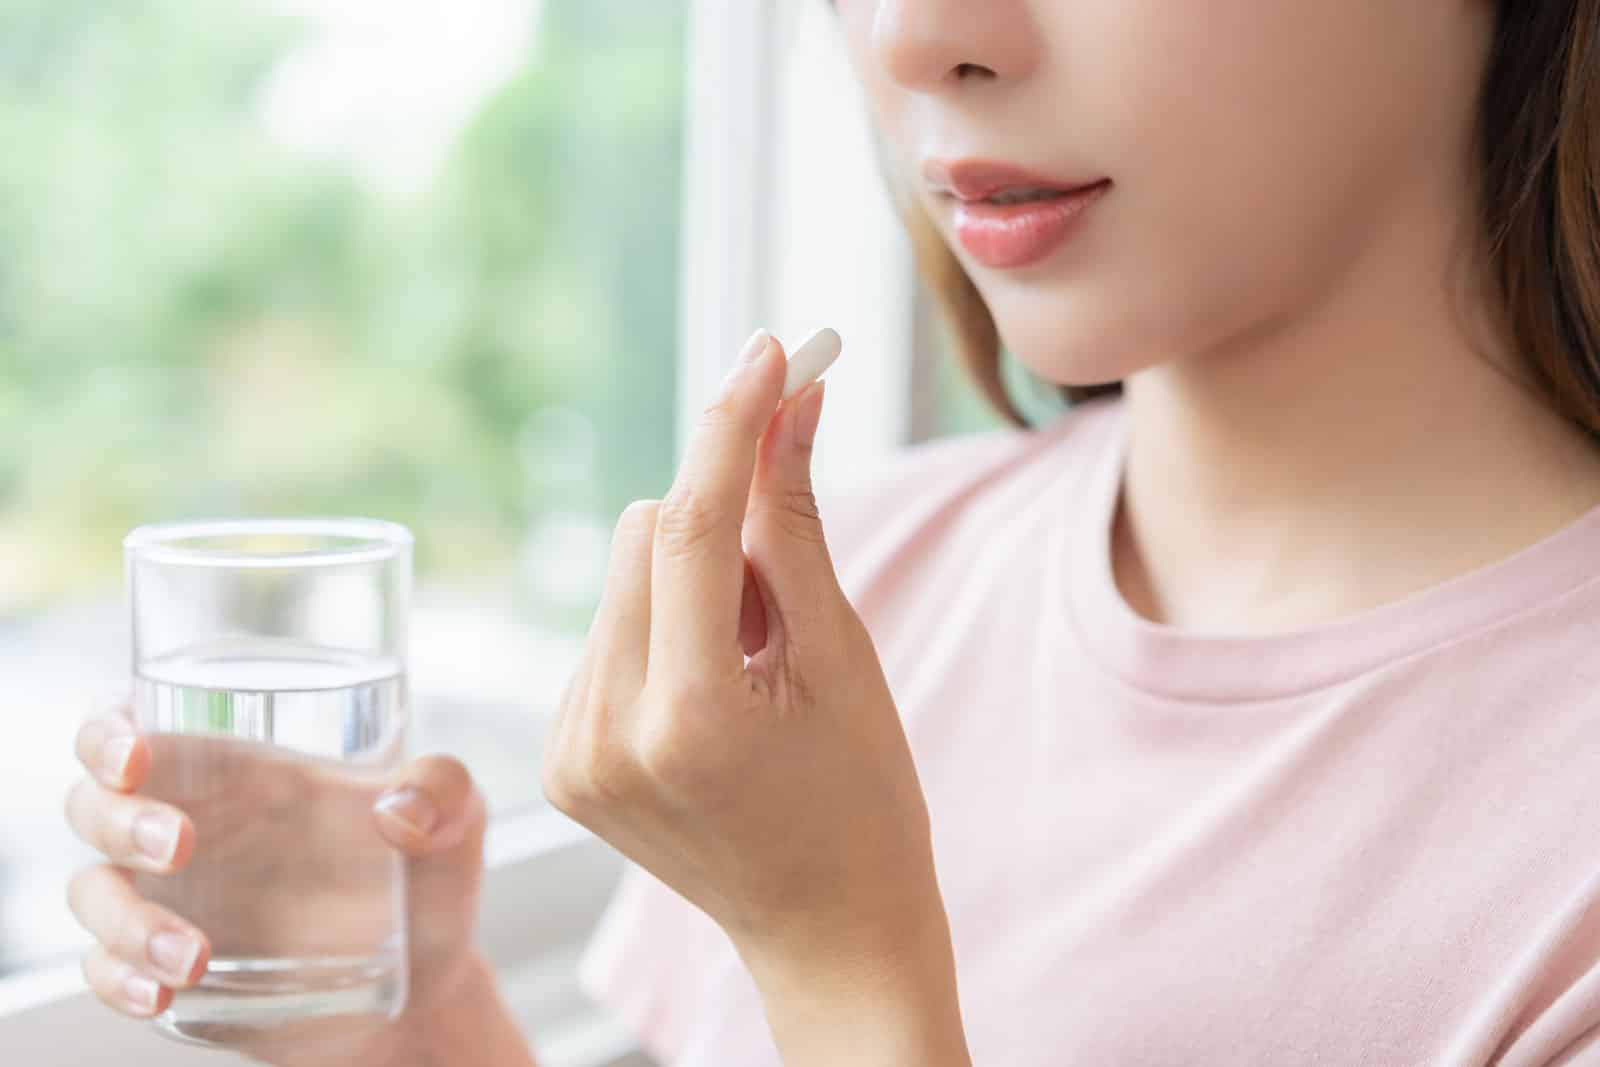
pixel 729 727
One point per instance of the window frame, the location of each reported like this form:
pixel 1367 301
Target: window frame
pixel 804 238
pixel 781 234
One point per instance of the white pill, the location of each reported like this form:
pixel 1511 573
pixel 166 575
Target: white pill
pixel 810 360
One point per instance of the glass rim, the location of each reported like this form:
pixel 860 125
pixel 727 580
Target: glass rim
pixel 371 541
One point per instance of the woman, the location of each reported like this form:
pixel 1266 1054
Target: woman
pixel 1242 715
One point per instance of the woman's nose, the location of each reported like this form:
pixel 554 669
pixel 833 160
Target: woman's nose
pixel 931 45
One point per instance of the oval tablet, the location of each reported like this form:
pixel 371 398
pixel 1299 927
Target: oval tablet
pixel 811 359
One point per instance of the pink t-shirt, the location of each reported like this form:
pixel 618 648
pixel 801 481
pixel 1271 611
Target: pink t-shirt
pixel 1375 841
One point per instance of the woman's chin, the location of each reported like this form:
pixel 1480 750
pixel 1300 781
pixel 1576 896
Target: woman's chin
pixel 1071 357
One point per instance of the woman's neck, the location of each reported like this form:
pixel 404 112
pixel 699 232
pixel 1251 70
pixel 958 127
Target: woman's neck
pixel 1378 443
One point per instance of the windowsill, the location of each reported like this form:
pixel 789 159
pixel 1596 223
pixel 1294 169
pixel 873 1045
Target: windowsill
pixel 38 987
pixel 530 833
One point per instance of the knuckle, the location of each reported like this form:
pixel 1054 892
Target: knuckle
pixel 796 514
pixel 600 779
pixel 663 749
pixel 609 776
pixel 85 810
pixel 445 776
pixel 669 761
pixel 686 697
pixel 575 692
pixel 606 768
pixel 685 520
pixel 79 889
pixel 657 756
pixel 555 778
pixel 721 413
pixel 129 935
pixel 564 770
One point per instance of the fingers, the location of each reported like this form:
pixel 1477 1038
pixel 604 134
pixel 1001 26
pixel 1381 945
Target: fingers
pixel 131 831
pixel 113 753
pixel 783 533
pixel 783 505
pixel 122 987
pixel 145 952
pixel 697 566
pixel 620 636
pixel 143 936
pixel 430 806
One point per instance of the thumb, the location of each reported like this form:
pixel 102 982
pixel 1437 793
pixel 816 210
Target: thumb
pixel 783 530
pixel 432 812
pixel 435 816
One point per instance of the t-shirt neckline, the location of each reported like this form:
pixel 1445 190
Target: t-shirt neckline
pixel 1176 664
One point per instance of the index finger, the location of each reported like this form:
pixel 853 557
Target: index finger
pixel 697 557
pixel 111 751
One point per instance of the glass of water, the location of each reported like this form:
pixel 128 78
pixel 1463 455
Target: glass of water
pixel 269 679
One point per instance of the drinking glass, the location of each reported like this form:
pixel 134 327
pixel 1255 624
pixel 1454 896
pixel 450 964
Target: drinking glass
pixel 269 662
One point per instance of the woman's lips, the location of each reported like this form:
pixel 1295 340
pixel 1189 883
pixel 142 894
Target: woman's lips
pixel 1010 236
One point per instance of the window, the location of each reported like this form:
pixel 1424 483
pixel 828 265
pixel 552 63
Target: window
pixel 403 260
pixel 472 267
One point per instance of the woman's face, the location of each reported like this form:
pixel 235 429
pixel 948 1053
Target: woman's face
pixel 1255 152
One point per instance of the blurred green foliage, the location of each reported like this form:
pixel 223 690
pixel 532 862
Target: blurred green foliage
pixel 198 320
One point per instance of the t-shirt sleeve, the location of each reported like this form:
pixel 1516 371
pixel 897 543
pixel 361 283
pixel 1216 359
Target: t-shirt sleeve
pixel 648 962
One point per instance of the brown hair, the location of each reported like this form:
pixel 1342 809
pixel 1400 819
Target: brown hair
pixel 1539 151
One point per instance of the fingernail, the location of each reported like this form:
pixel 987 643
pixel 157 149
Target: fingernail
pixel 143 993
pixel 749 354
pixel 809 416
pixel 155 834
pixel 175 954
pixel 411 807
pixel 114 757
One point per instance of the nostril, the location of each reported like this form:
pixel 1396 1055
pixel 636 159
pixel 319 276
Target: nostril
pixel 967 70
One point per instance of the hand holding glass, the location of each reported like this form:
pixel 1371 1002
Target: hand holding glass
pixel 269 667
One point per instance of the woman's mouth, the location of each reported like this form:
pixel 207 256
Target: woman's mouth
pixel 1006 218
pixel 1020 227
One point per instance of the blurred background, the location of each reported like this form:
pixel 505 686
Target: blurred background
pixel 415 261
pixel 327 258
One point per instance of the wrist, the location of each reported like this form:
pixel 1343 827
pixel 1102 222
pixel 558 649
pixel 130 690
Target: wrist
pixel 463 1022
pixel 883 994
